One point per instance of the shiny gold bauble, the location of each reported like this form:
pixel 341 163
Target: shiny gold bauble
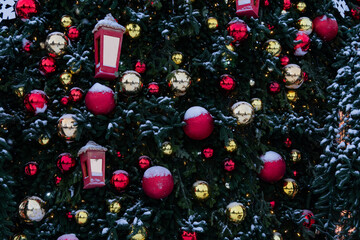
pixel 115 207
pixel 75 69
pixel 166 148
pixel 236 212
pixel 179 81
pixel 231 146
pixel 293 76
pixel 66 78
pixel 133 30
pixel 292 95
pixel 305 25
pixel 212 23
pixel 81 217
pixel 290 187
pixel 32 209
pixel 244 112
pixel 277 236
pixel 295 155
pixel 19 237
pixel 67 126
pixel 19 91
pixel 177 57
pixel 273 47
pixel 131 82
pixel 201 190
pixel 66 21
pixel 43 139
pixel 230 47
pixel 140 234
pixel 256 103
pixel 56 44
pixel 301 6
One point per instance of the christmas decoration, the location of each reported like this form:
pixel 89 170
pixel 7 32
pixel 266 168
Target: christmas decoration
pixel 114 207
pixel 355 13
pixel 309 218
pixel 67 127
pixel 75 68
pixel 252 82
pixel 153 88
pixel 302 47
pixel 291 95
pixel 66 21
pixel 277 236
pixel 73 33
pixel 295 155
pixel 290 187
pixel 76 94
pixel 208 152
pixel 19 92
pixel 287 4
pixel 301 6
pixel 108 36
pixel 199 123
pixel 31 168
pixel 229 165
pixel 139 235
pixel 47 66
pixel 238 30
pixel 326 28
pixel 131 82
pixel 273 47
pixel 57 180
pixel 92 158
pixel 81 217
pixel 188 235
pixel 235 212
pixel 287 142
pixel 201 190
pixel 66 78
pixel 177 58
pixel 293 76
pixel 31 209
pixel 231 145
pixel 68 237
pixel 25 9
pixel 120 180
pixel 166 148
pixel 65 100
pixel 247 8
pixel 212 23
pixel 305 25
pixel 274 167
pixel 69 216
pixel 26 45
pixel 144 162
pixel 133 30
pixel 56 44
pixel 36 102
pixel 256 103
pixel 43 140
pixel 100 99
pixel 179 81
pixel 140 67
pixel 305 76
pixel 19 237
pixel 157 182
pixel 284 60
pixel 274 88
pixel 244 112
pixel 65 162
pixel 227 82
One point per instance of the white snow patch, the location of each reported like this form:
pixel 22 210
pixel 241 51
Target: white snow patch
pixel 156 171
pixel 121 221
pixel 41 110
pixel 271 156
pixel 110 22
pixel 299 52
pixel 97 87
pixel 70 236
pixel 195 112
pixel 121 171
pixel 341 6
pixel 234 204
pixel 91 145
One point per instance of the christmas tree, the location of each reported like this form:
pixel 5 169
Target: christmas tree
pixel 178 119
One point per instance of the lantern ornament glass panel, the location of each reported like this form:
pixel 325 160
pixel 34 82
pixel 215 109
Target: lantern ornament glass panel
pixel 92 158
pixel 108 36
pixel 248 8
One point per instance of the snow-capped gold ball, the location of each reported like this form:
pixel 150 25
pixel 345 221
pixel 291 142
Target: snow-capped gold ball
pixel 131 82
pixel 236 212
pixel 81 217
pixel 32 209
pixel 140 233
pixel 201 190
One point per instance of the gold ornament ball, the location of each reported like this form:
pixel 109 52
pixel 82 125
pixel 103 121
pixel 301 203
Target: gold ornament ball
pixel 230 47
pixel 75 69
pixel 66 21
pixel 201 190
pixel 273 47
pixel 277 236
pixel 301 6
pixel 295 155
pixel 43 140
pixel 133 30
pixel 292 95
pixel 140 234
pixel 177 57
pixel 293 76
pixel 231 146
pixel 244 112
pixel 179 81
pixel 131 82
pixel 81 217
pixel 166 148
pixel 19 237
pixel 66 78
pixel 32 209
pixel 67 127
pixel 236 212
pixel 290 187
pixel 56 44
pixel 256 103
pixel 212 23
pixel 19 92
pixel 305 25
pixel 114 207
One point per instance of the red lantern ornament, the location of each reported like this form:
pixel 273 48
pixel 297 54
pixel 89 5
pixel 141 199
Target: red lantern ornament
pixel 208 152
pixel 144 162
pixel 36 102
pixel 274 167
pixel 227 82
pixel 199 123
pixel 57 180
pixel 229 165
pixel 65 162
pixel 31 169
pixel 301 48
pixel 76 94
pixel 248 8
pixel 284 60
pixel 153 88
pixel 68 237
pixel 287 4
pixel 108 36
pixel 157 182
pixel 47 66
pixel 25 9
pixel 287 142
pixel 238 30
pixel 188 235
pixel 309 218
pixel 140 67
pixel 73 33
pixel 326 28
pixel 65 100
pixel 100 99
pixel 120 180
pixel 26 45
pixel 274 88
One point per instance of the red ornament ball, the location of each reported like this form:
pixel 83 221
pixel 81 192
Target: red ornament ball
pixel 57 180
pixel 76 94
pixel 272 204
pixel 157 182
pixel 25 9
pixel 140 67
pixel 65 162
pixel 68 237
pixel 309 218
pixel 208 152
pixel 266 3
pixel 238 30
pixel 229 165
pixel 287 4
pixel 100 99
pixel 73 33
pixel 120 180
pixel 144 162
pixel 326 28
pixel 31 168
pixel 306 76
pixel 303 46
pixel 287 142
pixel 284 60
pixel 188 235
pixel 355 13
pixel 153 88
pixel 69 216
pixel 274 167
pixel 227 82
pixel 199 123
pixel 274 88
pixel 47 66
pixel 26 45
pixel 65 100
pixel 36 102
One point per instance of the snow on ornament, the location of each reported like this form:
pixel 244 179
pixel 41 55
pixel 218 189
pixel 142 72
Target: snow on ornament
pixel 25 9
pixel 274 167
pixel 157 182
pixel 326 28
pixel 302 46
pixel 248 8
pixel 70 236
pixel 120 180
pixel 31 209
pixel 199 123
pixel 36 101
pixel 100 99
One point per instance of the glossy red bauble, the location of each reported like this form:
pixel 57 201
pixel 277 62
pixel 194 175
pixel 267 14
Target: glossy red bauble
pixel 301 48
pixel 306 76
pixel 31 168
pixel 238 30
pixel 287 142
pixel 208 152
pixel 157 182
pixel 76 94
pixel 57 180
pixel 120 180
pixel 153 88
pixel 355 13
pixel 47 65
pixel 26 45
pixel 73 33
pixel 227 82
pixel 25 9
pixel 65 100
pixel 199 123
pixel 274 88
pixel 274 167
pixel 140 67
pixel 287 4
pixel 65 162
pixel 284 60
pixel 309 218
pixel 229 165
pixel 144 162
pixel 100 99
pixel 69 216
pixel 36 102
pixel 188 235
pixel 326 28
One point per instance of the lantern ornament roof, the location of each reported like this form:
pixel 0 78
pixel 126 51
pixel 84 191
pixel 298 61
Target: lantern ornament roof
pixel 109 22
pixel 91 145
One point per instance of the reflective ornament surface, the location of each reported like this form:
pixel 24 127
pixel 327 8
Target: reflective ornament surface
pixel 73 33
pixel 56 44
pixel 179 81
pixel 166 148
pixel 114 207
pixel 47 66
pixel 201 190
pixel 66 78
pixel 133 30
pixel 66 21
pixel 43 140
pixel 227 82
pixel 212 23
pixel 177 57
pixel 290 187
pixel 301 6
pixel 292 95
pixel 31 168
pixel 19 237
pixel 25 9
pixel 238 30
pixel 244 112
pixel 231 146
pixel 293 76
pixel 256 103
pixel 131 82
pixel 305 25
pixel 81 217
pixel 295 155
pixel 67 127
pixel 32 209
pixel 120 180
pixel 273 47
pixel 236 212
pixel 277 236
pixel 138 233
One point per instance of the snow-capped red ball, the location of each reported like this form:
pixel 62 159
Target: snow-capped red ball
pixel 76 94
pixel 70 236
pixel 326 28
pixel 120 180
pixel 157 182
pixel 301 48
pixel 140 67
pixel 199 123
pixel 274 167
pixel 309 218
pixel 36 101
pixel 100 99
